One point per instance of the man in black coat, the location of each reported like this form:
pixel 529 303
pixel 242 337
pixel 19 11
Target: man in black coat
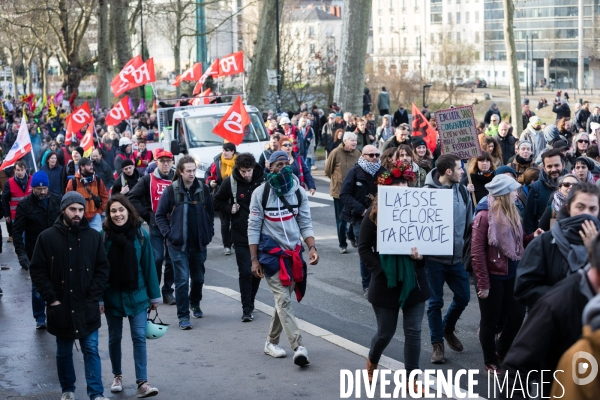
pixel 582 116
pixel 247 176
pixel 35 213
pixel 358 191
pixel 507 142
pixel 102 169
pixel 400 116
pixel 561 109
pixel 70 270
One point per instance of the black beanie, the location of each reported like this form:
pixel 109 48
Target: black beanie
pixel 126 162
pixel 418 141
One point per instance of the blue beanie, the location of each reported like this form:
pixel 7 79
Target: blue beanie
pixel 278 156
pixel 40 178
pixel 506 169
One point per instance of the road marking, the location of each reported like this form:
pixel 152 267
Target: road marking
pixel 311 329
pixel 322 196
pixel 313 204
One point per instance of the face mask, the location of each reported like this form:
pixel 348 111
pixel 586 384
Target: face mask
pixel 282 181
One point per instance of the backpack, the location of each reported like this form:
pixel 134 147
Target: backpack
pixel 140 236
pixel 265 199
pixel 179 197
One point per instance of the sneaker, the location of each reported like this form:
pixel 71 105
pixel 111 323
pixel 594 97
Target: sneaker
pixel 117 384
pixel 313 167
pixel 10 240
pixel 353 243
pixel 184 324
pixel 493 369
pixel 247 317
pixel 146 390
pixel 274 350
pixel 301 356
pixel 41 324
pixel 366 293
pixel 169 299
pixel 197 312
pixel 437 357
pixel 1 292
pixel 227 251
pixel 452 340
pixel 67 396
pixel 343 250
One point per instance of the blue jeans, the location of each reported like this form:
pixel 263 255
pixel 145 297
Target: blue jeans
pixel 137 326
pixel 342 226
pixel 38 305
pixel 188 265
pixel 365 274
pixel 162 255
pixel 458 281
pixel 91 359
pixel 96 222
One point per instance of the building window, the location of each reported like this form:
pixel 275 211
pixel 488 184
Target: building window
pixel 312 48
pixel 476 37
pixel 458 37
pixel 436 18
pixel 504 74
pixel 440 35
pixel 476 17
pixel 311 31
pixel 476 58
pixel 450 36
pixel 449 18
pixel 392 45
pixel 489 74
pixel 432 38
pixel 458 18
pixel 467 17
pixel 404 41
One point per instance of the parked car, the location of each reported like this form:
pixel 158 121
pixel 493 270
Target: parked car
pixel 472 83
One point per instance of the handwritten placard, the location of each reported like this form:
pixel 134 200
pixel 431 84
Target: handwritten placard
pixel 415 217
pixel 458 133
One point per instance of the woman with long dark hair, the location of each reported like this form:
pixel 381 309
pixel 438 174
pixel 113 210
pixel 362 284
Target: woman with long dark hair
pixel 482 170
pixel 397 282
pixel 54 171
pixel 132 289
pixel 492 146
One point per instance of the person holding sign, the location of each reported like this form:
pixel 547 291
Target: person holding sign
pixel 448 269
pixel 497 245
pixel 398 282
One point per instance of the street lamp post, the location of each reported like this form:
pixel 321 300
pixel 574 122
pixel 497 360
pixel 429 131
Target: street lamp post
pixel 426 88
pixel 277 58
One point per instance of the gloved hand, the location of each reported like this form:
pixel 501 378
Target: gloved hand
pixel 24 262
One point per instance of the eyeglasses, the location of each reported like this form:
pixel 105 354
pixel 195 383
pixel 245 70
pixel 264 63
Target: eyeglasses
pixel 567 184
pixel 583 141
pixel 286 145
pixel 376 155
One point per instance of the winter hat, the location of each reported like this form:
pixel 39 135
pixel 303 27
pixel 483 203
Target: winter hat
pixel 534 120
pixel 501 185
pixel 80 150
pixel 506 169
pixel 70 198
pixel 560 144
pixel 527 142
pixel 332 115
pixel 585 160
pixel 125 141
pixel 40 178
pixel 551 133
pixel 126 163
pixel 418 141
pixel 85 161
pixel 525 101
pixel 278 156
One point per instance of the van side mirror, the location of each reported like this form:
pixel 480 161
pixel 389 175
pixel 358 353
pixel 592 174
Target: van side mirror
pixel 175 147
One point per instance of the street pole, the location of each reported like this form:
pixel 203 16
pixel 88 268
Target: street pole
pixel 201 54
pixel 68 59
pixel 420 61
pixel 531 48
pixel 527 65
pixel 277 58
pixel 143 87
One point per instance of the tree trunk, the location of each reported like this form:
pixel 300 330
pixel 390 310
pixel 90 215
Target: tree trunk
pixel 264 49
pixel 120 23
pixel 104 67
pixel 513 72
pixel 350 77
pixel 44 60
pixel 177 47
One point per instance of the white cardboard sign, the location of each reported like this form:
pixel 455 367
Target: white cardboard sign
pixel 415 217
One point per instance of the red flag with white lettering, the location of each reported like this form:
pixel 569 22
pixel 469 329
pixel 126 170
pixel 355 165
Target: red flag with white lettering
pixel 80 117
pixel 142 75
pixel 70 135
pixel 232 64
pixel 203 98
pixel 119 112
pixel 422 127
pixel 234 122
pixel 213 71
pixel 120 84
pixel 191 74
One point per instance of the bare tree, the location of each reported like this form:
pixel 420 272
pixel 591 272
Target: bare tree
pixel 121 26
pixel 350 76
pixel 513 72
pixel 104 50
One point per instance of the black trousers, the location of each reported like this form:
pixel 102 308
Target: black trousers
pixel 500 302
pixel 248 282
pixel 225 228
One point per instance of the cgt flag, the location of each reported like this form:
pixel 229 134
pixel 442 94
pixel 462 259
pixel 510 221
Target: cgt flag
pixel 422 127
pixel 21 147
pixel 191 74
pixel 203 98
pixel 234 122
pixel 120 84
pixel 119 112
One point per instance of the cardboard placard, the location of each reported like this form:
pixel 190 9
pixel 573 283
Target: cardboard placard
pixel 415 217
pixel 458 133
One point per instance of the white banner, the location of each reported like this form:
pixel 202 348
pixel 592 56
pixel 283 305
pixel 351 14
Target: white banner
pixel 415 217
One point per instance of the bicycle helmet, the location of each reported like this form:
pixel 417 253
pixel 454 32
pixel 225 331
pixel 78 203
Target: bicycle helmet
pixel 155 330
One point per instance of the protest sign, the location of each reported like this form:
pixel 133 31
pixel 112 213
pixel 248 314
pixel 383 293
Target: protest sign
pixel 458 133
pixel 415 217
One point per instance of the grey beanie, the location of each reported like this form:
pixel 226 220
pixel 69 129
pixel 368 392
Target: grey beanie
pixel 527 142
pixel 501 185
pixel 70 198
pixel 551 133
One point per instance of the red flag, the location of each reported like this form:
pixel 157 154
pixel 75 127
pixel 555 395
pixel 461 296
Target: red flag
pixel 119 112
pixel 234 122
pixel 231 64
pixel 87 142
pixel 191 74
pixel 213 71
pixel 120 84
pixel 70 135
pixel 422 127
pixel 197 88
pixel 142 75
pixel 80 117
pixel 203 98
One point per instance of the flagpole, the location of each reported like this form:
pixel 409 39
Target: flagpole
pixel 33 157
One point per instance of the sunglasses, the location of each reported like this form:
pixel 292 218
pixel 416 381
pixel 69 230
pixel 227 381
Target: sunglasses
pixel 286 145
pixel 583 141
pixel 567 184
pixel 376 155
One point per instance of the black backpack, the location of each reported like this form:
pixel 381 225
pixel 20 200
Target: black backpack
pixel 265 199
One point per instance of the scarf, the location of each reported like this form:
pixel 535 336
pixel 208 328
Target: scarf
pixel 399 268
pixel 281 182
pixel 369 167
pixel 551 183
pixel 122 256
pixel 501 235
pixel 227 166
pixel 522 161
pixel 570 244
pixel 557 201
pixel 22 182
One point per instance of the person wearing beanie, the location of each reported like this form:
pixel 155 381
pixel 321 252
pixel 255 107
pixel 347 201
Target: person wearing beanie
pixel 74 253
pixel 92 189
pixel 533 134
pixel 497 229
pixel 583 169
pixel 35 213
pixel 422 155
pixel 71 167
pixel 128 178
pixel 124 152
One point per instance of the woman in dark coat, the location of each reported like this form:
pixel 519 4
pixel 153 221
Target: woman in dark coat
pixel 54 171
pixel 409 291
pixel 482 170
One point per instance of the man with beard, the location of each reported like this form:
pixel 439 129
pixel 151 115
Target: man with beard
pixel 128 178
pixel 102 169
pixel 400 137
pixel 533 134
pixel 540 191
pixel 15 190
pixel 93 191
pixel 400 116
pixel 35 213
pixel 70 270
pixel 144 197
pixel 233 197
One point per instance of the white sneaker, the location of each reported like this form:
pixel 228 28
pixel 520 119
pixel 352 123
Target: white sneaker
pixel 146 391
pixel 117 384
pixel 301 356
pixel 68 396
pixel 274 350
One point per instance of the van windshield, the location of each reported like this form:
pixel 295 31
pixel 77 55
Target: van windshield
pixel 199 130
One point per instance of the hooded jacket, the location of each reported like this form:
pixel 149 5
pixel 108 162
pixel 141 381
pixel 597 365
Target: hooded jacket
pixel 69 265
pixel 385 133
pixel 224 202
pixel 537 200
pixel 488 115
pixel 400 117
pixel 536 138
pixel 463 215
pixel 383 100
